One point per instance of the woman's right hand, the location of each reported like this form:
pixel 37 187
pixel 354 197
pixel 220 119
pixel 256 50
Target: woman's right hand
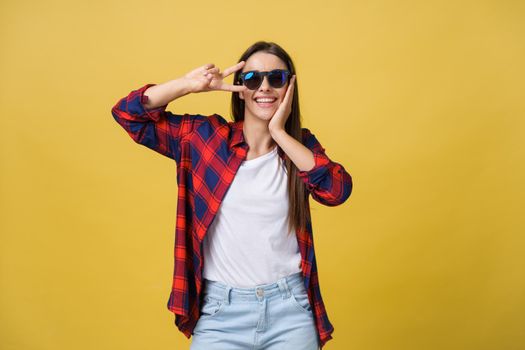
pixel 209 78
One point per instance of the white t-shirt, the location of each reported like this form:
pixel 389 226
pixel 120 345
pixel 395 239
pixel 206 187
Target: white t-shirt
pixel 248 243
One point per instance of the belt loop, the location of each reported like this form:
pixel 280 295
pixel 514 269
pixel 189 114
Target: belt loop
pixel 283 287
pixel 227 294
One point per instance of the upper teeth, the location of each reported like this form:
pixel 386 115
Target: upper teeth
pixel 265 99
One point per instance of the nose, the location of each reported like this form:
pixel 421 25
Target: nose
pixel 265 85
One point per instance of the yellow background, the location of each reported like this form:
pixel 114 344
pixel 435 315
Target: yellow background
pixel 421 101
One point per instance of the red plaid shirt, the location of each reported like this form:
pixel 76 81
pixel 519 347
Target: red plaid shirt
pixel 208 150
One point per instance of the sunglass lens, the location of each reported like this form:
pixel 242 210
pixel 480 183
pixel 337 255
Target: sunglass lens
pixel 277 78
pixel 252 80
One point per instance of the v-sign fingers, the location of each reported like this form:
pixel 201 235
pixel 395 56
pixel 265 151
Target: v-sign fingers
pixel 232 69
pixel 233 88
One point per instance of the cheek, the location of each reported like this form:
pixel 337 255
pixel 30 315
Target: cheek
pixel 248 98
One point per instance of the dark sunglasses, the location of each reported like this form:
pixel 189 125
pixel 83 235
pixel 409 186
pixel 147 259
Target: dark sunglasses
pixel 277 78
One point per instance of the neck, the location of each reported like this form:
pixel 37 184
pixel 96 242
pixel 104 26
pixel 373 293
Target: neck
pixel 257 135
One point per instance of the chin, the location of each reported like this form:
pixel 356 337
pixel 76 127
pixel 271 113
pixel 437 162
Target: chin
pixel 266 116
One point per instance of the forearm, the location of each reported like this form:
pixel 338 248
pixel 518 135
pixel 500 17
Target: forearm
pixel 300 155
pixel 157 129
pixel 162 94
pixel 328 181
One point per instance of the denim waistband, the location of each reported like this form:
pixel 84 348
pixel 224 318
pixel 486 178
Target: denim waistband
pixel 227 293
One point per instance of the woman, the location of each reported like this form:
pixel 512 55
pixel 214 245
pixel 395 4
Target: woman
pixel 245 272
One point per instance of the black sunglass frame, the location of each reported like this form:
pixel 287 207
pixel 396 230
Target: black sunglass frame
pixel 261 75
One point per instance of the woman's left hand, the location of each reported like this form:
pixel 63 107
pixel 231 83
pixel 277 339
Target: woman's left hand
pixel 283 111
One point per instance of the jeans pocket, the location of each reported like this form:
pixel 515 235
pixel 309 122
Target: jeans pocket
pixel 299 298
pixel 211 306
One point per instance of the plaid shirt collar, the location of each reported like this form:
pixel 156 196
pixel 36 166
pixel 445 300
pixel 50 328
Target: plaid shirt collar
pixel 237 134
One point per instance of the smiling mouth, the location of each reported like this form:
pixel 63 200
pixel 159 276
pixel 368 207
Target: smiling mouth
pixel 265 101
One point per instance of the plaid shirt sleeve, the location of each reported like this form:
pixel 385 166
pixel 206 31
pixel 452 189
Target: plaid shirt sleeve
pixel 328 182
pixel 157 129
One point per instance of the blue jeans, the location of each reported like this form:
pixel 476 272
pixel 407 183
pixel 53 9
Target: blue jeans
pixel 269 316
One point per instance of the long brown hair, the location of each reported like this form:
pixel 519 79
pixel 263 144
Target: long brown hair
pixel 297 194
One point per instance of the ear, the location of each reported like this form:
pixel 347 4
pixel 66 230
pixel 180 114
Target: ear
pixel 241 95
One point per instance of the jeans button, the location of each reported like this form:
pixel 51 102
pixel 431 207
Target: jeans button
pixel 260 292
